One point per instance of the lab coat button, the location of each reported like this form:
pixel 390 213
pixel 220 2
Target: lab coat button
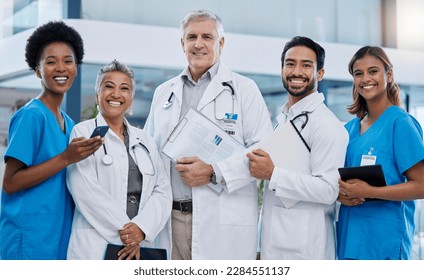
pixel 132 199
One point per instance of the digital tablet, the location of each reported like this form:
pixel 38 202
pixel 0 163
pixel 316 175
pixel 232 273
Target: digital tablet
pixel 145 253
pixel 372 174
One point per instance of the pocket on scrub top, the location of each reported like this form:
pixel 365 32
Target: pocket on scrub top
pixel 40 235
pixel 382 239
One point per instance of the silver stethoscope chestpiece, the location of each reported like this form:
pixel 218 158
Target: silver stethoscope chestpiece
pixel 107 159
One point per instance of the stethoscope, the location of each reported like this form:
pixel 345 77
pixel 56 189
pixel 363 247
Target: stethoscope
pixel 304 115
pixel 107 159
pixel 169 102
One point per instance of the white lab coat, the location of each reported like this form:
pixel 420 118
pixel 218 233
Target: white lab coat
pixel 306 230
pixel 100 192
pixel 225 224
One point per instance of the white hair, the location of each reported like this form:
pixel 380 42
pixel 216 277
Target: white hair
pixel 202 15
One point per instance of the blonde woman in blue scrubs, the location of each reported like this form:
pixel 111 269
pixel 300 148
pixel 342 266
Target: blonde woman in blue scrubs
pixel 36 207
pixel 382 133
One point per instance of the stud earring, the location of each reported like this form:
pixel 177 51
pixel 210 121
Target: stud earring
pixel 130 112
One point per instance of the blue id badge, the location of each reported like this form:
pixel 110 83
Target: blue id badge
pixel 231 116
pixel 230 122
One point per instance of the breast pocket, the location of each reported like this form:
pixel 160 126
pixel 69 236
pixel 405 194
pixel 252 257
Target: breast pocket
pixel 144 160
pixel 375 155
pixel 226 115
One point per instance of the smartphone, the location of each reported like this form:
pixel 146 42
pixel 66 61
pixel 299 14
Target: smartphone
pixel 100 130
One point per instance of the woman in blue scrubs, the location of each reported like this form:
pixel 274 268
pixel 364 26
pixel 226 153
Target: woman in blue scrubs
pixel 36 213
pixel 378 222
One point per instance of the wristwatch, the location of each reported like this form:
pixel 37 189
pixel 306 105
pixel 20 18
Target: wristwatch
pixel 213 177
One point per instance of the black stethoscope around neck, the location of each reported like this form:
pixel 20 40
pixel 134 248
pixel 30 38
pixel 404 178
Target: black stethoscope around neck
pixel 304 115
pixel 106 159
pixel 170 101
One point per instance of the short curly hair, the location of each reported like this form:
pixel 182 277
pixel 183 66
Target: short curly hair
pixel 53 31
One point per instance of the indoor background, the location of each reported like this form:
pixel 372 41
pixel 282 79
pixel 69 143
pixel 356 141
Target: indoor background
pixel 145 35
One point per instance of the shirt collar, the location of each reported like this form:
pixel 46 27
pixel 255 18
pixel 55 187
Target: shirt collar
pixel 306 104
pixel 212 71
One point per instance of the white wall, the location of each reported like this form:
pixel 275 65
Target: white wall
pixel 410 24
pixel 150 46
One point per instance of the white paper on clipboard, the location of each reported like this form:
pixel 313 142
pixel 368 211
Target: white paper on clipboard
pixel 287 151
pixel 196 135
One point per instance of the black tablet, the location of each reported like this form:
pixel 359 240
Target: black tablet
pixel 145 253
pixel 372 174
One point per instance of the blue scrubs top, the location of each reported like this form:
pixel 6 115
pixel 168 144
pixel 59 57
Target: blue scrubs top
pixel 36 223
pixel 381 229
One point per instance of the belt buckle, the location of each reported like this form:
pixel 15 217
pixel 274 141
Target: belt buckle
pixel 185 207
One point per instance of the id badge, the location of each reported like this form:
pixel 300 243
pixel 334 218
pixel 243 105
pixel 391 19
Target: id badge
pixel 369 159
pixel 230 122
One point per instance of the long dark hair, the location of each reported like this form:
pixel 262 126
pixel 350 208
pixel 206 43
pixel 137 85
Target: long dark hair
pixel 359 105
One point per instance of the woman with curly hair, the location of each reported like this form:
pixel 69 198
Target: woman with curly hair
pixel 36 213
pixel 378 222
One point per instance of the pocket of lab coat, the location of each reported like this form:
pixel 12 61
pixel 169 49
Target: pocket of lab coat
pixel 144 162
pixel 289 231
pixel 86 244
pixel 240 208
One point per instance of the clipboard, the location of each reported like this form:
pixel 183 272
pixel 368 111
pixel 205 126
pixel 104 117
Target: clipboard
pixel 197 135
pixel 145 253
pixel 372 174
pixel 287 150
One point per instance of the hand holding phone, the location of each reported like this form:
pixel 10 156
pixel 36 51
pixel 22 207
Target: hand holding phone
pixel 100 131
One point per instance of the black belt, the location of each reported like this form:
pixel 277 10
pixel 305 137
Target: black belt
pixel 183 206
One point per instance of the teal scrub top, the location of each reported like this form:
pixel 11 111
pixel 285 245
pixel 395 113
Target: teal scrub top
pixel 381 229
pixel 36 223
